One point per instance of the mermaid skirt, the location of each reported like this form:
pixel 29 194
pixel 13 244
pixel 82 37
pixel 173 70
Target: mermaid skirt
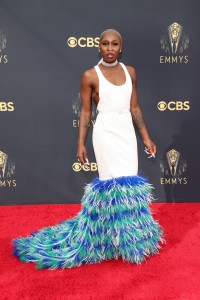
pixel 115 221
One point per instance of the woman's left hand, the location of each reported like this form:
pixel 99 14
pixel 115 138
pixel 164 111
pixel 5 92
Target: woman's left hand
pixel 150 147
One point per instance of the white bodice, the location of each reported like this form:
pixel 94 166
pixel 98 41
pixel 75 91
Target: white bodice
pixel 114 138
pixel 114 98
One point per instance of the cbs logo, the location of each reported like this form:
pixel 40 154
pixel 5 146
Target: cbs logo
pixel 6 106
pixel 77 167
pixel 83 42
pixel 173 105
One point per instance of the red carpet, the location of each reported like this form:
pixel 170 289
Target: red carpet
pixel 172 274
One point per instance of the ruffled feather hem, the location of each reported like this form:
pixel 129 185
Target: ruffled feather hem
pixel 115 221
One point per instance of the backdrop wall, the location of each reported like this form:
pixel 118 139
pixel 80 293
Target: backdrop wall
pixel 44 48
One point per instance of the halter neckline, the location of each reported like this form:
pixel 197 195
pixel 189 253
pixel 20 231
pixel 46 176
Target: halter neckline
pixel 121 85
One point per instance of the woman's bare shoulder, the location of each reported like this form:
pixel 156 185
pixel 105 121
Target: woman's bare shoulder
pixel 89 76
pixel 90 73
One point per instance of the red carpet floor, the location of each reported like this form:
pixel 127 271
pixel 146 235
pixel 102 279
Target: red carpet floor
pixel 172 274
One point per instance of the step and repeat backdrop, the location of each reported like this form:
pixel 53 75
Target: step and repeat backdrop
pixel 44 48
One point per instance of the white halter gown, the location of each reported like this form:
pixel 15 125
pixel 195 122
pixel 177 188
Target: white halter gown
pixel 115 219
pixel 114 138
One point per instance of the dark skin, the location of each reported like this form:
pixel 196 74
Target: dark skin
pixel 110 47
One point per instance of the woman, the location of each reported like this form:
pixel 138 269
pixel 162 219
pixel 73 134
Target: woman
pixel 115 220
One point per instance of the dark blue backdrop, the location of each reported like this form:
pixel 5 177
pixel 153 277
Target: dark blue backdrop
pixel 44 48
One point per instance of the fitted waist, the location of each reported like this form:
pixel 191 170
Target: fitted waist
pixel 122 111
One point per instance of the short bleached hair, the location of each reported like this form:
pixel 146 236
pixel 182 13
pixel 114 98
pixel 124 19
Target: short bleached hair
pixel 113 31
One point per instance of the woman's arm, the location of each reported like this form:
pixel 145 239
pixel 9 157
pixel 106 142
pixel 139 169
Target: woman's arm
pixel 137 115
pixel 85 116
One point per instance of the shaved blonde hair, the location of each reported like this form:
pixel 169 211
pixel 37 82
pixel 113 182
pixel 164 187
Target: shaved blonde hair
pixel 113 31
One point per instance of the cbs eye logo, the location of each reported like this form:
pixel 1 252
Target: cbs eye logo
pixel 83 42
pixel 72 42
pixel 173 105
pixel 77 167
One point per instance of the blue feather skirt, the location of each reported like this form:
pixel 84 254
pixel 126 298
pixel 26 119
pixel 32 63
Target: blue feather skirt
pixel 115 221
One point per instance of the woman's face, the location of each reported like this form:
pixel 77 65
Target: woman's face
pixel 110 46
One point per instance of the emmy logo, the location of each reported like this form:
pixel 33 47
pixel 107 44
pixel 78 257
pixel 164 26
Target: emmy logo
pixel 3 57
pixel 173 158
pixel 3 163
pixel 7 170
pixel 7 166
pixel 2 41
pixel 175 40
pixel 174 31
pixel 173 166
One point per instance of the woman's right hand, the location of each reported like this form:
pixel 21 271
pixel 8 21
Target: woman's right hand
pixel 82 156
